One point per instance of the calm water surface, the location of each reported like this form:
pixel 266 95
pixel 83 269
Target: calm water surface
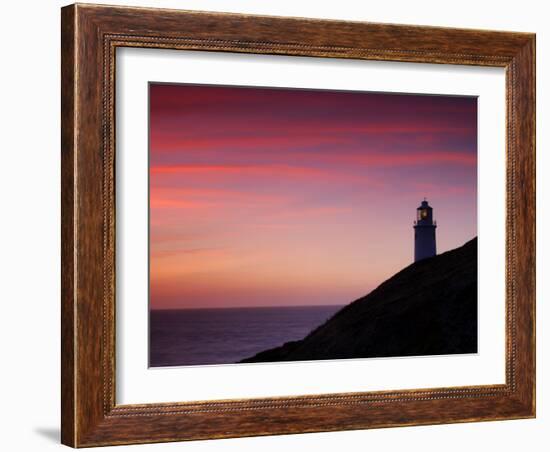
pixel 223 336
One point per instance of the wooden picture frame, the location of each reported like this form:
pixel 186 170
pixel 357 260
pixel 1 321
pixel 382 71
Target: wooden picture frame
pixel 90 36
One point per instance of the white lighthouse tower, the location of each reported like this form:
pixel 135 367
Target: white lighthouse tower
pixel 424 232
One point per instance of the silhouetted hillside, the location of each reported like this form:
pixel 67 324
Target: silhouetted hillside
pixel 428 308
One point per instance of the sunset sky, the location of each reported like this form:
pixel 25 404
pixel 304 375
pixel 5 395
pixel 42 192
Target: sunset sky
pixel 268 197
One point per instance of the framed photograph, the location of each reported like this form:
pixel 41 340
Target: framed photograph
pixel 280 225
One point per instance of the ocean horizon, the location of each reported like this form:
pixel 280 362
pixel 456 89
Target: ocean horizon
pixel 203 336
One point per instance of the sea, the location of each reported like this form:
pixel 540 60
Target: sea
pixel 192 337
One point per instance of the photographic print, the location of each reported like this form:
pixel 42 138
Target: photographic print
pixel 300 224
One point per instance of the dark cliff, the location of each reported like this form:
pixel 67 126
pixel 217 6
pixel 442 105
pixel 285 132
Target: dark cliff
pixel 428 308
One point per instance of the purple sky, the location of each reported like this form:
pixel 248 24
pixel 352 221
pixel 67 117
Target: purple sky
pixel 265 197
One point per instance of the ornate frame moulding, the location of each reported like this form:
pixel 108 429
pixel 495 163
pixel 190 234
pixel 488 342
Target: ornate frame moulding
pixel 90 36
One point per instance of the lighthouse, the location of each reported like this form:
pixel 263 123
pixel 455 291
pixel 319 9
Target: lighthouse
pixel 424 232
